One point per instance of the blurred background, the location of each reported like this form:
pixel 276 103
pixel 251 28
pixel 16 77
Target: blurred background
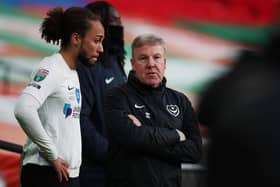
pixel 203 38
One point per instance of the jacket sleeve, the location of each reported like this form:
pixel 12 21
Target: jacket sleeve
pixel 94 145
pixel 122 131
pixel 190 150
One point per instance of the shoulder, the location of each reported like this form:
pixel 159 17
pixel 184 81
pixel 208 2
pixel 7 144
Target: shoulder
pixel 93 71
pixel 116 97
pixel 179 96
pixel 176 93
pixel 47 67
pixel 121 89
pixel 51 63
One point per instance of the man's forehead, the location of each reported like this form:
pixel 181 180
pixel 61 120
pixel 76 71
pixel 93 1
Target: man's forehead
pixel 147 47
pixel 149 50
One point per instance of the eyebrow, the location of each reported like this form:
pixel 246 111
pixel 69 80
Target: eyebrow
pixel 142 55
pixel 99 36
pixel 158 54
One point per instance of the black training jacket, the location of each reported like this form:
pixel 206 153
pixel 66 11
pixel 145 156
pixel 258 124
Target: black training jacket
pixel 95 80
pixel 149 155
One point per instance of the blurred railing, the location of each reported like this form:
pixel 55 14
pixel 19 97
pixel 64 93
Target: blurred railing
pixel 8 146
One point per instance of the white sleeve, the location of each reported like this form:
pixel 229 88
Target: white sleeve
pixel 27 115
pixel 44 81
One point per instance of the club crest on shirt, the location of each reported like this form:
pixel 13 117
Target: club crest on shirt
pixel 40 75
pixel 173 110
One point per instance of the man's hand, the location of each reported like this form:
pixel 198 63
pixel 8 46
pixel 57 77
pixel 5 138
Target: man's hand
pixel 61 167
pixel 134 120
pixel 181 135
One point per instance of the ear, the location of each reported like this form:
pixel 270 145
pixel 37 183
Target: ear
pixel 132 62
pixel 75 39
pixel 164 63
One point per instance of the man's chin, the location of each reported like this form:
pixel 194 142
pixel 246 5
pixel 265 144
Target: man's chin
pixel 87 60
pixel 152 83
pixel 92 60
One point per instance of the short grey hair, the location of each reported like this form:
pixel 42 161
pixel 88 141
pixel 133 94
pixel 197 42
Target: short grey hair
pixel 147 39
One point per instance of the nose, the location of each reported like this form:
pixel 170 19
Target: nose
pixel 100 48
pixel 151 61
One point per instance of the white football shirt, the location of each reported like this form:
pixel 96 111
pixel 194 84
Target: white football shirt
pixel 57 89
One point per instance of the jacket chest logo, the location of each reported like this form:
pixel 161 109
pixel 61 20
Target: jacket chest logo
pixel 138 106
pixel 109 80
pixel 173 110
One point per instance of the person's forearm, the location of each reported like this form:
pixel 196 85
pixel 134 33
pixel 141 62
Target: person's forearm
pixel 27 116
pixel 138 138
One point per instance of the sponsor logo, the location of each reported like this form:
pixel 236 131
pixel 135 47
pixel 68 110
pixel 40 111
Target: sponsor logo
pixel 173 110
pixel 34 85
pixel 70 88
pixel 78 95
pixel 109 80
pixel 41 75
pixel 147 115
pixel 76 112
pixel 138 106
pixel 67 110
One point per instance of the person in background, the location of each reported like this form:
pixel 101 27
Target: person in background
pixel 241 111
pixel 95 80
pixel 152 129
pixel 49 107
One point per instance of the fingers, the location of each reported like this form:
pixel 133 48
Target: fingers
pixel 64 163
pixel 64 174
pixel 181 135
pixel 63 170
pixel 59 176
pixel 131 117
pixel 61 167
pixel 134 120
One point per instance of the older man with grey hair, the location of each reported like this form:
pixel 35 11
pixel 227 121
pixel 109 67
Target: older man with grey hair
pixel 152 129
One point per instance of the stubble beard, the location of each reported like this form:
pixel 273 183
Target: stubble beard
pixel 83 56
